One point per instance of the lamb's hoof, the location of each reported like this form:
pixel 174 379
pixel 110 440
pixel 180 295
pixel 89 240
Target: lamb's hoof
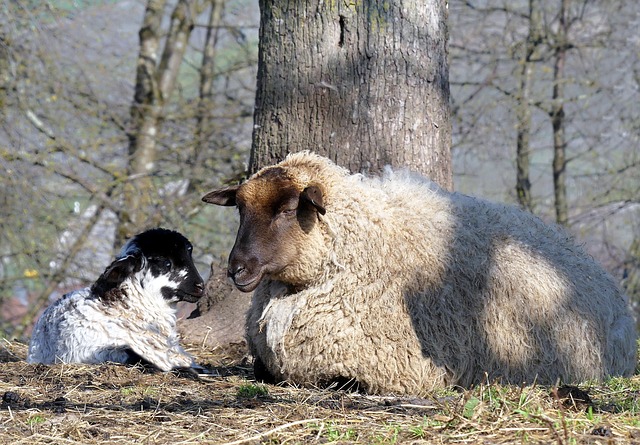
pixel 186 372
pixel 204 371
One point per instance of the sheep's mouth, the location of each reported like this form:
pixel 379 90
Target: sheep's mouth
pixel 249 285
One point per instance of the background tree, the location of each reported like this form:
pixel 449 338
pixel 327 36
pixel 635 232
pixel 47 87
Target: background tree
pixel 561 45
pixel 157 70
pixel 543 91
pixel 523 107
pixel 68 74
pixel 66 137
pixel 364 83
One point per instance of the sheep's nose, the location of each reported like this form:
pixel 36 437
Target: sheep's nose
pixel 234 270
pixel 200 287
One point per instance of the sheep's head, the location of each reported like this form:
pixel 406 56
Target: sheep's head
pixel 276 237
pixel 161 261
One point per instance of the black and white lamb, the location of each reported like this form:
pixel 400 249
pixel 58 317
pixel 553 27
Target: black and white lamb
pixel 129 314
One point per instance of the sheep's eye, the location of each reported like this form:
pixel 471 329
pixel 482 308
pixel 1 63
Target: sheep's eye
pixel 287 211
pixel 190 249
pixel 166 264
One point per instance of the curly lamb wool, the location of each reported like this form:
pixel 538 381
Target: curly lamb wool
pixel 128 315
pixel 404 287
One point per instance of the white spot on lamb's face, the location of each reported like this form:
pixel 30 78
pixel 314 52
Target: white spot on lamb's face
pixel 164 284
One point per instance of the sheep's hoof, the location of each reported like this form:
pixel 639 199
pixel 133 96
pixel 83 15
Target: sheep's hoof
pixel 344 384
pixel 261 373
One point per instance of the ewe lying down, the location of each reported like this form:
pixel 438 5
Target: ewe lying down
pixel 129 314
pixel 404 287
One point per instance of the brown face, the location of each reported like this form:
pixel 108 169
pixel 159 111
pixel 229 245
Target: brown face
pixel 275 218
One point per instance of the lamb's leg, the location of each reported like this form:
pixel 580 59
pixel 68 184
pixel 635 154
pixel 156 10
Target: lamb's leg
pixel 163 352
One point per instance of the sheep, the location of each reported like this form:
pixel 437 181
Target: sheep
pixel 129 314
pixel 400 287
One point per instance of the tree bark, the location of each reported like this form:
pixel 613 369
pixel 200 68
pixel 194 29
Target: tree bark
pixel 207 76
pixel 155 81
pixel 364 83
pixel 523 111
pixel 558 119
pixel 218 320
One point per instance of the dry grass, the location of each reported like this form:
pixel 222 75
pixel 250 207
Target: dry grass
pixel 110 404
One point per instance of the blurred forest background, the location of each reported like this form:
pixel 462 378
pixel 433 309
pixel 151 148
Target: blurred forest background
pixel 98 139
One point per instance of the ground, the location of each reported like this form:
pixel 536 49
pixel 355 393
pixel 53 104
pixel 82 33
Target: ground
pixel 113 404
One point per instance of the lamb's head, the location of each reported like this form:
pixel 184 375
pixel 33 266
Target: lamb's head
pixel 278 235
pixel 160 261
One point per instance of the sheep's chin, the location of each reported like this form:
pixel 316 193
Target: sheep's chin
pixel 250 285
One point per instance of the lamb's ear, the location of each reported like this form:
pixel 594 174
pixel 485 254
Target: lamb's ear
pixel 313 196
pixel 116 273
pixel 222 197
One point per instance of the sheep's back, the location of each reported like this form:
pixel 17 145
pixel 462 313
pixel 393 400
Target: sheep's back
pixel 78 328
pixel 487 287
pixel 52 336
pixel 519 299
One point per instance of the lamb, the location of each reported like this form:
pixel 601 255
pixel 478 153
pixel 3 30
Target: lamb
pixel 401 287
pixel 129 314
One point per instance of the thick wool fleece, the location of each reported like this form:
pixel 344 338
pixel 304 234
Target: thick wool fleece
pixel 421 288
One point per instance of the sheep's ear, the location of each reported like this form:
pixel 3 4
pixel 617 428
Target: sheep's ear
pixel 116 273
pixel 313 196
pixel 222 197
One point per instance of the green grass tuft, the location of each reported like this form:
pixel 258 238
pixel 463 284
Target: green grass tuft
pixel 251 391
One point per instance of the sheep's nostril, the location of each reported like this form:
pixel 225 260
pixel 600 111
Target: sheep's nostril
pixel 232 271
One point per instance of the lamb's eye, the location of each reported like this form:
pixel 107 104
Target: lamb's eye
pixel 163 265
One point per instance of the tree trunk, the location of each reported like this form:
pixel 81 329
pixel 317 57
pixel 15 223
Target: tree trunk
pixel 523 111
pixel 205 118
pixel 207 76
pixel 364 83
pixel 558 118
pixel 5 73
pixel 155 82
pixel 218 320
